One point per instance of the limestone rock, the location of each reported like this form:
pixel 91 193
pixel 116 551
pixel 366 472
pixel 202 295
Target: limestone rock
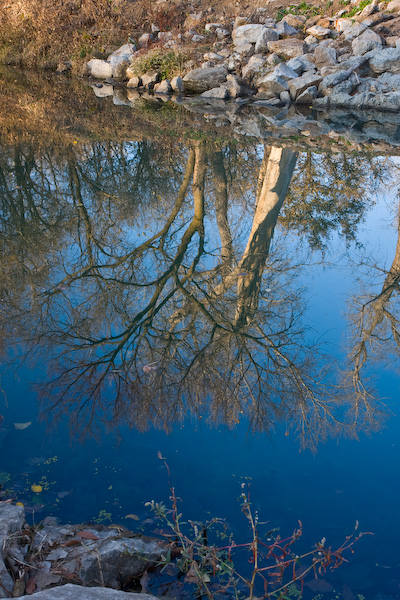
pixel 393 5
pixel 256 67
pixel 210 27
pixel 99 69
pixel 307 96
pixel 253 34
pixel 201 80
pixel 273 84
pixel 134 82
pixel 299 85
pixel 239 21
pixel 145 40
pixel 164 87
pixel 219 93
pixel 295 20
pixel 120 60
pixel 285 30
pixel 300 64
pixel 385 60
pixel 76 592
pixel 222 33
pixel 150 79
pixel 164 36
pixel 289 48
pixel 343 24
pixel 177 84
pixel 368 40
pixel 354 31
pixel 232 84
pixel 325 55
pixel 283 70
pixel 346 86
pixel 319 32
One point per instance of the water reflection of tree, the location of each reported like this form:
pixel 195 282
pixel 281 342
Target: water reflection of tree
pixel 146 330
pixel 376 322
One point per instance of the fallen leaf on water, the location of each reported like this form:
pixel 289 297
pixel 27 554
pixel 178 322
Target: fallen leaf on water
pixel 132 516
pixel 22 425
pixel 87 535
pixel 36 488
pixel 71 543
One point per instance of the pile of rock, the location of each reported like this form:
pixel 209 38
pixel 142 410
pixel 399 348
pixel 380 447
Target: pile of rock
pixel 37 559
pixel 323 62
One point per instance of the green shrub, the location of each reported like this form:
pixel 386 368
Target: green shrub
pixel 167 62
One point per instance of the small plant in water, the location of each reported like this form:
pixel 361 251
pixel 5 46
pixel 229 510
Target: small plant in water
pixel 275 569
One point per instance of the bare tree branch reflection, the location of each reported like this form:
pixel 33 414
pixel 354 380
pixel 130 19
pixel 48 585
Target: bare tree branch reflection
pixel 202 316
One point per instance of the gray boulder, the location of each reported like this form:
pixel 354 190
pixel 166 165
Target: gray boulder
pixel 299 85
pixel 256 67
pixel 385 60
pixel 164 87
pixel 76 592
pixel 232 84
pixel 354 31
pixel 150 79
pixel 273 84
pixel 177 84
pixel 325 55
pixel 134 82
pixel 300 64
pixel 253 34
pixel 285 30
pixel 289 48
pixel 307 96
pixel 120 60
pixel 201 80
pixel 368 40
pixel 283 70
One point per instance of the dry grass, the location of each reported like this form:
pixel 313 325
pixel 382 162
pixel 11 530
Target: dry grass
pixel 41 33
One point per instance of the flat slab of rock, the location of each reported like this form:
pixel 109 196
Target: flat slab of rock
pixel 385 60
pixel 201 80
pixel 253 34
pixel 368 40
pixel 289 48
pixel 299 85
pixel 76 592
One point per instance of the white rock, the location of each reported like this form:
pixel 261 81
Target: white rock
pixel 252 34
pixel 212 26
pixel 318 31
pixel 100 69
pixel 273 84
pixel 354 31
pixel 299 85
pixel 164 87
pixel 324 55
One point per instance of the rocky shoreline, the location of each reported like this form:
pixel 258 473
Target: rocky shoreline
pixel 318 62
pixel 83 561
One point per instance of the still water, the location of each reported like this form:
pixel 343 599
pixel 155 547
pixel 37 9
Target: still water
pixel 232 305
